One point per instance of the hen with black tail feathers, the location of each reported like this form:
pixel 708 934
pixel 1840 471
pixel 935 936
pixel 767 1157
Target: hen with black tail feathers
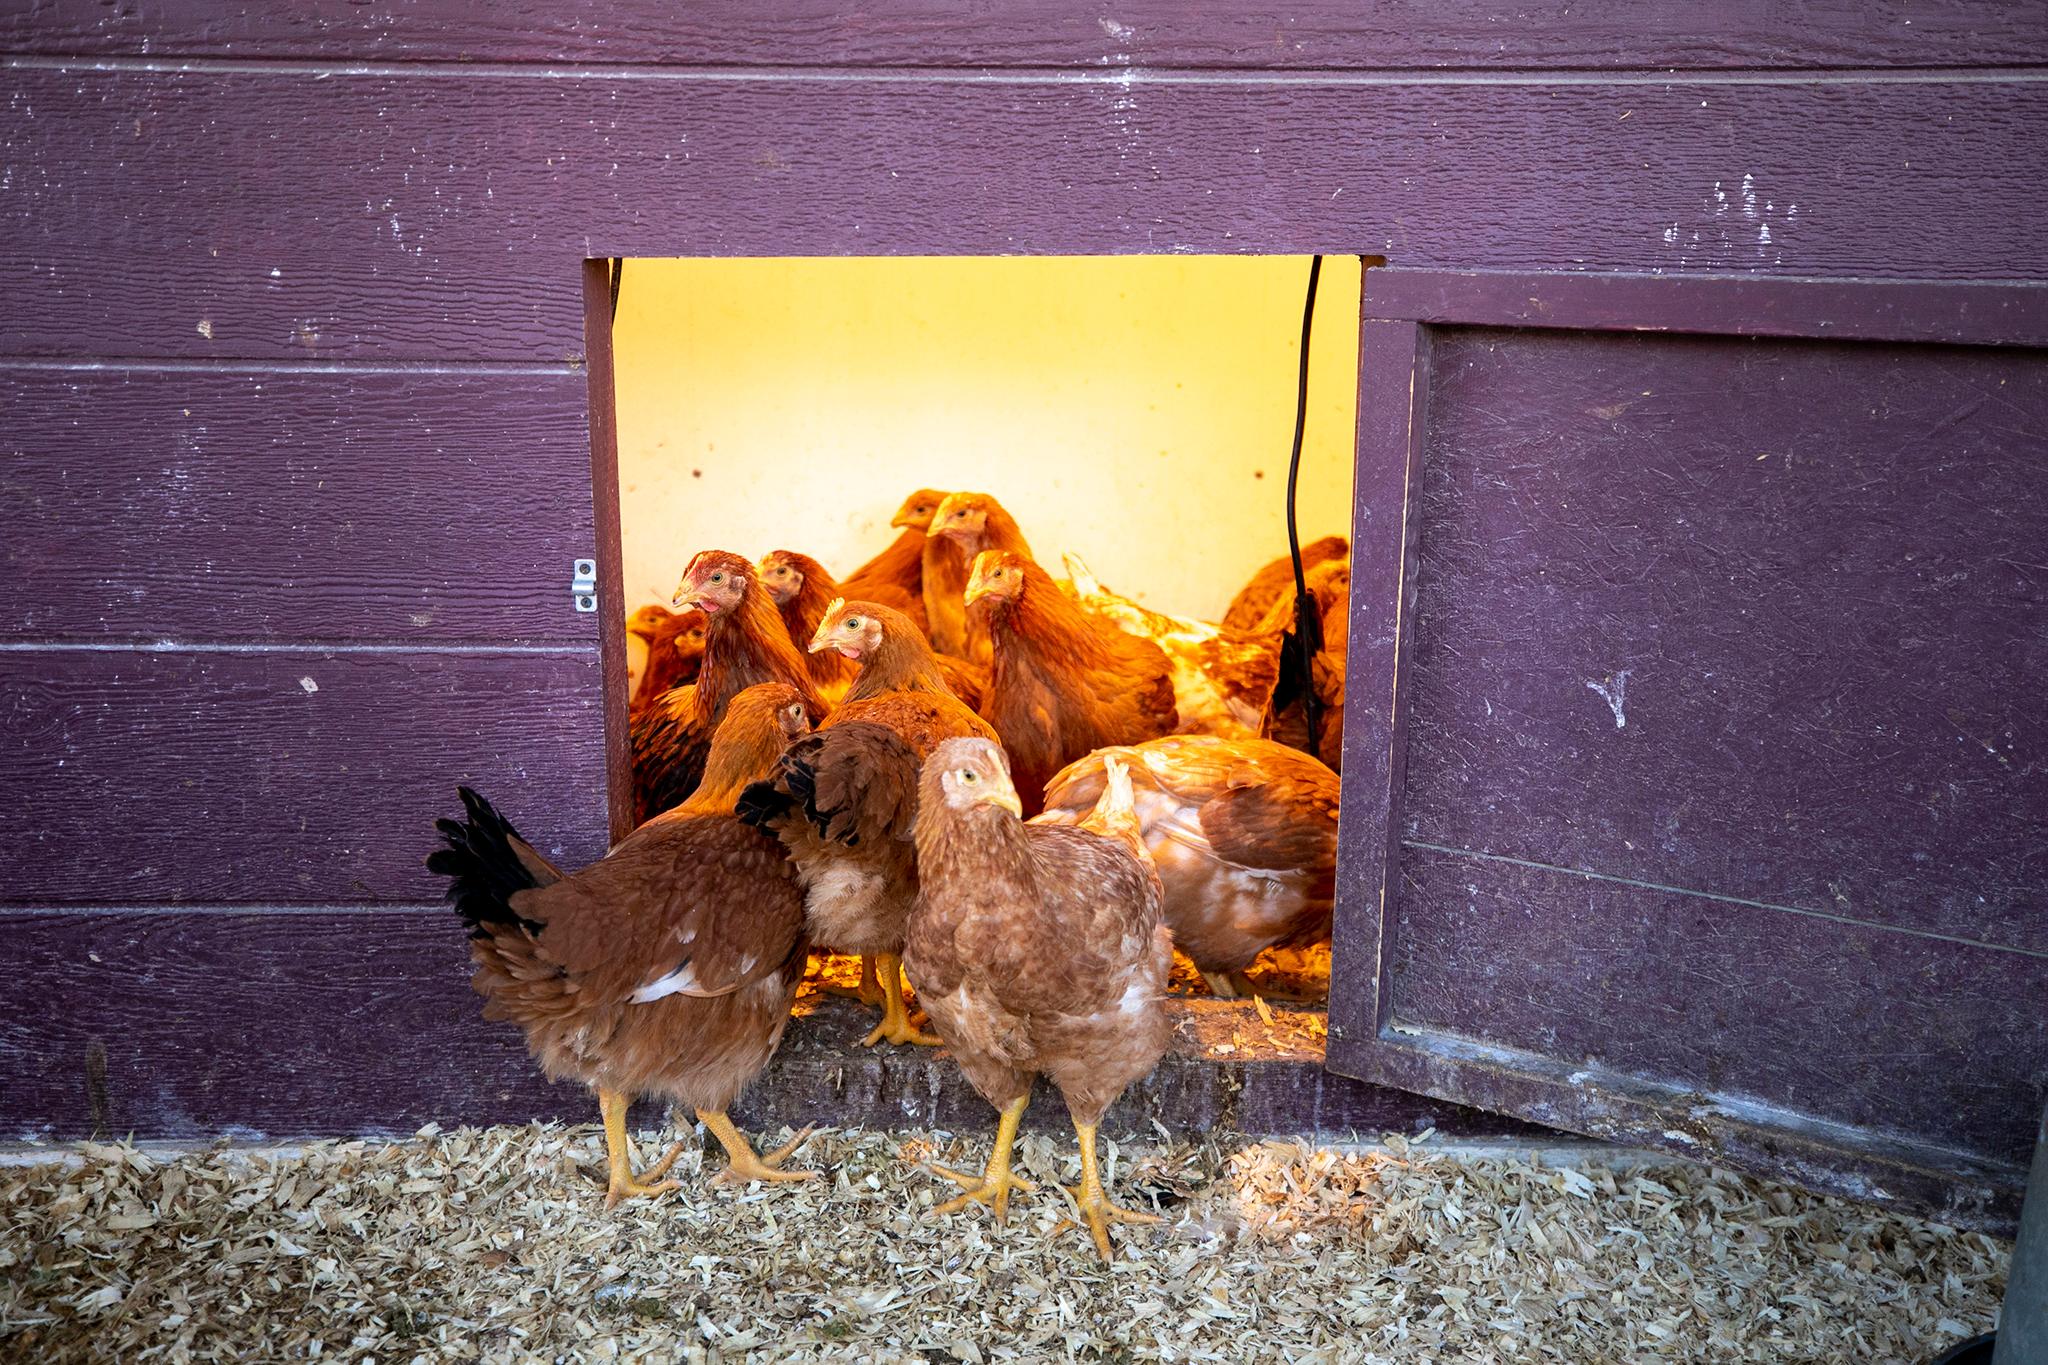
pixel 667 967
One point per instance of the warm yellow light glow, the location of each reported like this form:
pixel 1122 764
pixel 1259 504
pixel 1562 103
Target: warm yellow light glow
pixel 1134 410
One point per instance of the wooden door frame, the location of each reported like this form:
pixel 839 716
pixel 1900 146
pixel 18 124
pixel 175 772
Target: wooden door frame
pixel 610 549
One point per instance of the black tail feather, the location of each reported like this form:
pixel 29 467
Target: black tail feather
pixel 482 869
pixel 794 786
pixel 761 804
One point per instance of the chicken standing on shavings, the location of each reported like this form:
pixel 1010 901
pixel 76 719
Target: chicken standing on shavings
pixel 1037 948
pixel 667 967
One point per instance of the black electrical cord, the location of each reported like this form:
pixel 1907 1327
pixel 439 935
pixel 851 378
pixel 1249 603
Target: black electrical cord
pixel 1308 622
pixel 618 277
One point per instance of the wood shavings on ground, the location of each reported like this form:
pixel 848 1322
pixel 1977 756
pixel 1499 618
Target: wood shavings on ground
pixel 494 1245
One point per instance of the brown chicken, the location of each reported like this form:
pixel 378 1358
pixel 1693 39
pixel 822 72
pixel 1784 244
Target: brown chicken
pixel 1064 682
pixel 895 577
pixel 1243 833
pixel 1329 585
pixel 1037 948
pixel 667 967
pixel 965 525
pixel 675 650
pixel 745 643
pixel 803 589
pixel 1276 580
pixel 844 799
pixel 1222 679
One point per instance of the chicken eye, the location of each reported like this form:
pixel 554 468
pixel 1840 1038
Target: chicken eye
pixel 853 623
pixel 967 775
pixel 718 578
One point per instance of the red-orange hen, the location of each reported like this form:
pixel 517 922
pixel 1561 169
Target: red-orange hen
pixel 803 588
pixel 844 800
pixel 964 526
pixel 1063 682
pixel 667 967
pixel 675 650
pixel 895 577
pixel 745 643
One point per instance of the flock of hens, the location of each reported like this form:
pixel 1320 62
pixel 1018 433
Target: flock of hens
pixel 1023 793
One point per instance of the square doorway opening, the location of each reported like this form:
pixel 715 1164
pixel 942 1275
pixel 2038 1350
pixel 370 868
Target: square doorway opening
pixel 1133 415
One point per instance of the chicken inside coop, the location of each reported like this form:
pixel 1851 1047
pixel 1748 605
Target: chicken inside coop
pixel 1038 501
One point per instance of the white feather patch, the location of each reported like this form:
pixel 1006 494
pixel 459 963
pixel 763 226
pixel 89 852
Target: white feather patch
pixel 681 981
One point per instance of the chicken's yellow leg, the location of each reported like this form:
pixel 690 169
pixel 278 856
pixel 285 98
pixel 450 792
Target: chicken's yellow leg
pixel 895 1025
pixel 992 1186
pixel 618 1149
pixel 745 1165
pixel 869 992
pixel 1094 1202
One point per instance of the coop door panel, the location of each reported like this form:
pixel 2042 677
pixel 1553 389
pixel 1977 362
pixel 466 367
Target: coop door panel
pixel 1714 796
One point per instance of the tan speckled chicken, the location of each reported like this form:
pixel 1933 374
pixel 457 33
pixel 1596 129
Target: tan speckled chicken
pixel 667 967
pixel 1243 832
pixel 1037 949
pixel 1222 679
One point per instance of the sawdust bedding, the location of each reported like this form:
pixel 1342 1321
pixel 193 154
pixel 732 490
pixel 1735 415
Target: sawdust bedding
pixel 493 1245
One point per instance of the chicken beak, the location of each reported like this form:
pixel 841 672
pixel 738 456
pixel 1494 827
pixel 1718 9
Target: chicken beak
pixel 1006 799
pixel 819 643
pixel 976 590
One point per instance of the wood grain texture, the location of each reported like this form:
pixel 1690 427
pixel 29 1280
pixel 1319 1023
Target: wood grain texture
pixel 443 215
pixel 1482 34
pixel 144 777
pixel 1901 1037
pixel 1765 620
pixel 298 1025
pixel 258 506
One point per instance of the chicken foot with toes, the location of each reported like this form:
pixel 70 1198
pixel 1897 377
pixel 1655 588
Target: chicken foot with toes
pixel 993 1185
pixel 1093 1202
pixel 745 1165
pixel 895 1026
pixel 619 1156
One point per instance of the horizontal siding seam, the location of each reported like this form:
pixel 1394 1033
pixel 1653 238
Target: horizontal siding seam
pixel 1103 74
pixel 59 910
pixel 226 365
pixel 1479 856
pixel 566 650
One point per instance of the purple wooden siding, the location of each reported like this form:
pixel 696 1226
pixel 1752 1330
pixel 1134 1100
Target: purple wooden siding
pixel 1366 35
pixel 347 238
pixel 252 504
pixel 1719 797
pixel 448 208
pixel 283 776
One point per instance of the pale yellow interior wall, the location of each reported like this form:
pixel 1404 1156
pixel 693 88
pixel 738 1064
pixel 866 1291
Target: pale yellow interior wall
pixel 1135 410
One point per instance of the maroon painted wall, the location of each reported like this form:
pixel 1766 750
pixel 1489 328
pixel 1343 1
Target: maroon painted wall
pixel 293 357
